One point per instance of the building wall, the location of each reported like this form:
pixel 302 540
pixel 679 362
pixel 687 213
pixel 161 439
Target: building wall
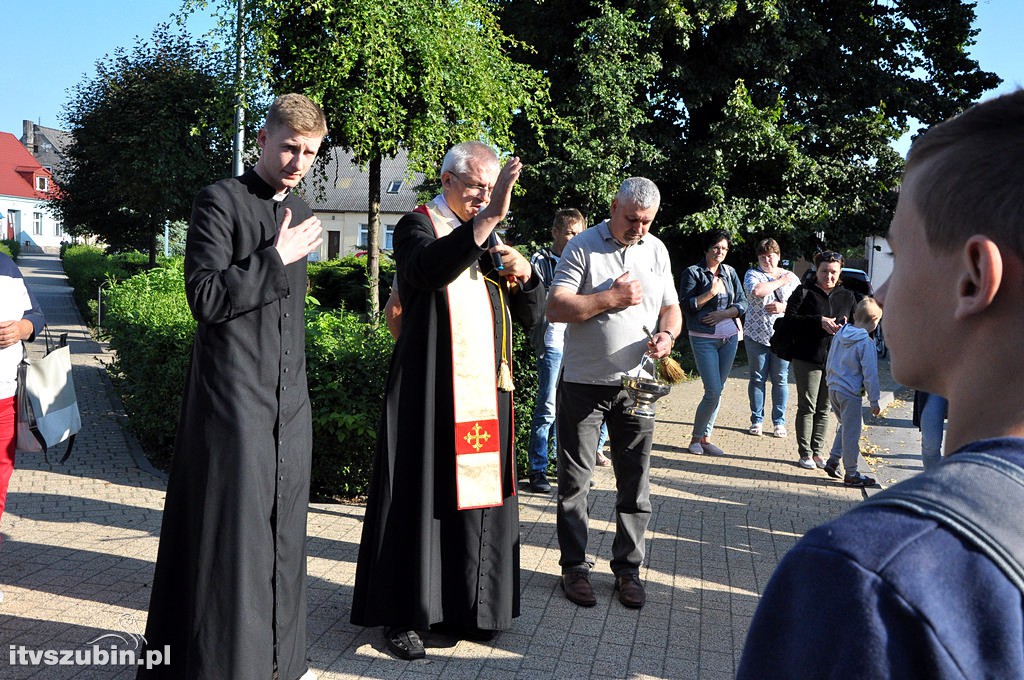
pixel 24 226
pixel 346 227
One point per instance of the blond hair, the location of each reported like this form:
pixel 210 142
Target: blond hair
pixel 299 113
pixel 867 311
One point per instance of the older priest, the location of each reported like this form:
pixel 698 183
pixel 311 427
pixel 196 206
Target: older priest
pixel 440 543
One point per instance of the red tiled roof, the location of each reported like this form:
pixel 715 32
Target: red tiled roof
pixel 18 170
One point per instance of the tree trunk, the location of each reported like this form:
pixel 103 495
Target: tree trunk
pixel 373 243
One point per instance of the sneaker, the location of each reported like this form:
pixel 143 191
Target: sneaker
pixel 832 468
pixel 780 432
pixel 711 450
pixel 539 483
pixel 806 463
pixel 755 429
pixel 818 461
pixel 857 480
pixel 695 448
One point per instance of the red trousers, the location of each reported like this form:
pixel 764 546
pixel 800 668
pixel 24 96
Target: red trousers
pixel 8 440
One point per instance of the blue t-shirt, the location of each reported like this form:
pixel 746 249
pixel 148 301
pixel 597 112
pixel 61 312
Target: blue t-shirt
pixel 884 593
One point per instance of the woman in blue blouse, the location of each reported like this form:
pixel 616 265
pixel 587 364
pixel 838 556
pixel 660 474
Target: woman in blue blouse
pixel 713 301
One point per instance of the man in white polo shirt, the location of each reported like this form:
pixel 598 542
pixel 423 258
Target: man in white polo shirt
pixel 613 279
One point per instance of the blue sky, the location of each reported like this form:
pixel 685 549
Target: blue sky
pixel 50 48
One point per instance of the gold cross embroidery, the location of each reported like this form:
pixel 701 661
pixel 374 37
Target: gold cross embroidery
pixel 476 436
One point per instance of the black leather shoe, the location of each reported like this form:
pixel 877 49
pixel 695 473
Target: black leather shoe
pixel 539 483
pixel 404 643
pixel 576 585
pixel 631 591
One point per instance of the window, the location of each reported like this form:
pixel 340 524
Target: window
pixel 58 229
pixel 37 223
pixel 364 237
pixel 42 183
pixel 395 186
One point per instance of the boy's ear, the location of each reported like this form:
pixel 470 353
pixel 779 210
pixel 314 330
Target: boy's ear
pixel 980 276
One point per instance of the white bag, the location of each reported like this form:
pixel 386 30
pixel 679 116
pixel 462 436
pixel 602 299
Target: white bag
pixel 47 405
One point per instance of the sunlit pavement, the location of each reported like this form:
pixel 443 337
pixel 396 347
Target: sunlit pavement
pixel 80 540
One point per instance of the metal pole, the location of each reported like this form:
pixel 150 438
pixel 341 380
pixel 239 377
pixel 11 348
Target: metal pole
pixel 236 164
pixel 99 308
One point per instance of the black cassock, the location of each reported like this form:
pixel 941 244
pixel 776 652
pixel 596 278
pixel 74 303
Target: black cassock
pixel 229 592
pixel 421 560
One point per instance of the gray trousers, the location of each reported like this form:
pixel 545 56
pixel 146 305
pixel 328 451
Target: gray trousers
pixel 811 407
pixel 847 442
pixel 579 413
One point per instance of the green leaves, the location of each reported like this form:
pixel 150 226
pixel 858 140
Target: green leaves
pixel 150 129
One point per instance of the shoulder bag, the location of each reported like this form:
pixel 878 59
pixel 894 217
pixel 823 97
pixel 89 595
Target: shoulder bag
pixel 47 405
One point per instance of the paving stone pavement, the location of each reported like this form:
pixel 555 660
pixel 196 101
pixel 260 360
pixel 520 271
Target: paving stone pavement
pixel 79 542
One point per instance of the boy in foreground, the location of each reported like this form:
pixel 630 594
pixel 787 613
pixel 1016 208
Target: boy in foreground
pixel 899 595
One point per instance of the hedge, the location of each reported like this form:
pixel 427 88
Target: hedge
pixel 149 326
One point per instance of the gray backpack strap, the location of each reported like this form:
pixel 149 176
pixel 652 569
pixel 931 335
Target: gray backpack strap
pixel 973 495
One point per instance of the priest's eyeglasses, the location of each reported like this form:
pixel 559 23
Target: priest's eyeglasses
pixel 479 189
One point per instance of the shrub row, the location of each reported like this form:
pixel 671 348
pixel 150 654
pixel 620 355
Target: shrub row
pixel 147 320
pixel 87 267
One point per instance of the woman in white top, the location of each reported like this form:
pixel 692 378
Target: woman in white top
pixel 20 319
pixel 768 287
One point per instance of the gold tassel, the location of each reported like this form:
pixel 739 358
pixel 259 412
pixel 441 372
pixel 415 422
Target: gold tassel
pixel 505 377
pixel 504 370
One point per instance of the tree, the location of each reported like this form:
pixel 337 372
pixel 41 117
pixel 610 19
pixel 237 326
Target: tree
pixel 602 94
pixel 419 75
pixel 149 131
pixel 770 117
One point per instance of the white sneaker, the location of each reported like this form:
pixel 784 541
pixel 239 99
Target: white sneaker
pixel 780 432
pixel 755 429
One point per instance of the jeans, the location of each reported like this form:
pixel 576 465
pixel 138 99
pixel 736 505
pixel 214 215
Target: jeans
pixel 714 359
pixel 933 419
pixel 581 410
pixel 548 368
pixel 765 366
pixel 847 441
pixel 811 407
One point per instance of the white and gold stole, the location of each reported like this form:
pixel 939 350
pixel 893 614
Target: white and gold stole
pixel 477 436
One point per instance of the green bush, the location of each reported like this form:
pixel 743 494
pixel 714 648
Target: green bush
pixel 11 247
pixel 341 284
pixel 150 328
pixel 347 364
pixel 87 267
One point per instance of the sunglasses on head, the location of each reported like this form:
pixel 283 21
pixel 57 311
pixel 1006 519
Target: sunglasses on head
pixel 830 256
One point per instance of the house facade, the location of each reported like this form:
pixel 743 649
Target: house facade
pixel 47 145
pixel 338 194
pixel 25 186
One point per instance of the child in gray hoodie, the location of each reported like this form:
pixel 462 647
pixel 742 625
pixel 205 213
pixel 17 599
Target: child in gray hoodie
pixel 852 365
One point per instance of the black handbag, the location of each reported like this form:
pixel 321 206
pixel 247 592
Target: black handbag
pixel 783 339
